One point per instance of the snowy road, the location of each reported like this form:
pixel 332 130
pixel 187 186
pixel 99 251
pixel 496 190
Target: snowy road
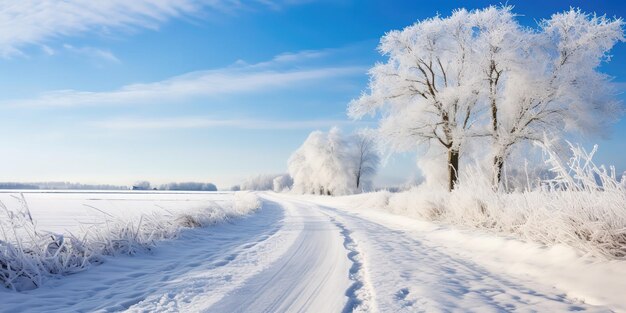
pixel 403 273
pixel 312 275
pixel 295 256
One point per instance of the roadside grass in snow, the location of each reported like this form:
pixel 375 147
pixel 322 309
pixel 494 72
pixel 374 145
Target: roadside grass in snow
pixel 582 206
pixel 28 255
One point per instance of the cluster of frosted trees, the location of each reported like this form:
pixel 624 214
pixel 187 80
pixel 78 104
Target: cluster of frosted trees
pixel 481 76
pixel 333 164
pixel 189 186
pixel 185 186
pixel 275 182
pixel 258 182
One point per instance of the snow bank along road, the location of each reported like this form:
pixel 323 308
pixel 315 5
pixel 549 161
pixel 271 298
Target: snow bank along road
pixel 294 255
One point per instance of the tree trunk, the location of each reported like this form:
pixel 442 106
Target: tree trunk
pixel 498 165
pixel 453 168
pixel 498 160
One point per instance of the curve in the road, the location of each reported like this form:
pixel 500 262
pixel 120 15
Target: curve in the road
pixel 311 276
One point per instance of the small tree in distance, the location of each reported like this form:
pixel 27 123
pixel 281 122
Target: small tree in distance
pixel 141 185
pixel 365 158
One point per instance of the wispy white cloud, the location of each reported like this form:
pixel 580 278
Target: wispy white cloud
pixel 291 58
pixel 345 54
pixel 283 71
pixel 92 52
pixel 193 122
pixel 195 84
pixel 27 22
pixel 47 50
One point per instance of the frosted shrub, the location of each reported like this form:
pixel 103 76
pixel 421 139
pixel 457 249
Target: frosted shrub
pixel 246 202
pixel 413 204
pixel 583 205
pixel 28 255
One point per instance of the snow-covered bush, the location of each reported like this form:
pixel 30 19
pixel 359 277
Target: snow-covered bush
pixel 28 255
pixel 244 202
pixel 583 205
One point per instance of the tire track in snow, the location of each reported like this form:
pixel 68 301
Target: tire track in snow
pixel 355 302
pixel 360 294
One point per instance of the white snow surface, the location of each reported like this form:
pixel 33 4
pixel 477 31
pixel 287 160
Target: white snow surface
pixel 324 254
pixel 73 211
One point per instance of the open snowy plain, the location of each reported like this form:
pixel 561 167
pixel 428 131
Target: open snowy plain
pixel 307 254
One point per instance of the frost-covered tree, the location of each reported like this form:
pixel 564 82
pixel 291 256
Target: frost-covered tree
pixel 282 183
pixel 141 185
pixel 323 165
pixel 319 166
pixel 259 182
pixel 504 47
pixel 365 159
pixel 428 88
pixel 480 73
pixel 544 80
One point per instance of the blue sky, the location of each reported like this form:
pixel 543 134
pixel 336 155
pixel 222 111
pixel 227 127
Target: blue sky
pixel 112 92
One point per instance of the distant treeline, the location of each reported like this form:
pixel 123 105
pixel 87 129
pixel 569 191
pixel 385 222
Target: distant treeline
pixel 59 186
pixel 185 186
pixel 142 185
pixel 189 186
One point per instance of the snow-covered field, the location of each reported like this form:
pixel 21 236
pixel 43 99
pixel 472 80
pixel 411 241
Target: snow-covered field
pixel 75 211
pixel 320 254
pixel 48 234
